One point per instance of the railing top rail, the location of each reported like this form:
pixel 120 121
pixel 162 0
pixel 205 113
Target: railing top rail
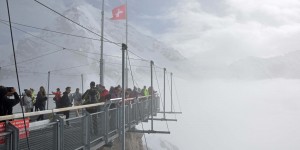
pixel 20 115
pixel 4 133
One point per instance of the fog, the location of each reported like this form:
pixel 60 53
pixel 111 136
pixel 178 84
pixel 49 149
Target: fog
pixel 235 115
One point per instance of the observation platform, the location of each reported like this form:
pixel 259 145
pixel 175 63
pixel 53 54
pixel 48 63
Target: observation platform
pixel 87 131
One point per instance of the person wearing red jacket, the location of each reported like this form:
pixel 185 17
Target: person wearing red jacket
pixel 57 97
pixel 104 94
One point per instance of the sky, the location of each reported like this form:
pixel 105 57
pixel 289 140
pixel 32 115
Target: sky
pixel 262 28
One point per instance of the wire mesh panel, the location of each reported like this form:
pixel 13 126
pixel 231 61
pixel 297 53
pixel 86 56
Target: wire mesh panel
pixel 113 120
pixel 146 109
pixel 132 113
pixel 157 99
pixel 5 141
pixel 73 134
pixel 127 107
pixel 97 126
pixel 101 121
pixel 140 111
pixel 41 138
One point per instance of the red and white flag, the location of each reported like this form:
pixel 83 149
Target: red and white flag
pixel 119 13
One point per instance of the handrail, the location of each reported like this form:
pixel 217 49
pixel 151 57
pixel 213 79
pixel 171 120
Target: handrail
pixel 43 112
pixel 4 133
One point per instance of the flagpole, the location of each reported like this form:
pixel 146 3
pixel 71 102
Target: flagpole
pixel 101 50
pixel 125 82
pixel 126 58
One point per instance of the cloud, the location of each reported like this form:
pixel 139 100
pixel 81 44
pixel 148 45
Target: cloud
pixel 251 28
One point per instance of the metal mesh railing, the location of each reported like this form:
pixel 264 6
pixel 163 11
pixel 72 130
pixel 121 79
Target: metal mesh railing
pixel 79 132
pixel 41 138
pixel 113 120
pixel 96 126
pixel 73 133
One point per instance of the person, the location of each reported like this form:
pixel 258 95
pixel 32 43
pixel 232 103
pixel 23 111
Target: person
pixel 114 93
pixel 128 92
pixel 27 101
pixel 41 101
pixel 57 97
pixel 145 91
pixel 91 96
pixel 6 104
pixel 104 96
pixel 134 93
pixel 66 102
pixel 77 100
pixel 33 99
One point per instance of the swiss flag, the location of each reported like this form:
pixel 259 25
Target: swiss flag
pixel 119 13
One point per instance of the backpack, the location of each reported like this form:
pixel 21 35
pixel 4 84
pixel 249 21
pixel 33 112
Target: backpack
pixel 93 96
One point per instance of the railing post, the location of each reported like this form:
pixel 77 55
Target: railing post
pixel 86 130
pixel 82 83
pixel 165 93
pixel 60 132
pixel 135 111
pixel 56 131
pixel 106 124
pixel 171 92
pixel 14 136
pixel 48 90
pixel 152 63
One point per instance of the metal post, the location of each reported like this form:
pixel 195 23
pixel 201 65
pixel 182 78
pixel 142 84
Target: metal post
pixel 14 137
pixel 126 65
pixel 48 89
pixel 60 132
pixel 171 93
pixel 101 53
pixel 86 130
pixel 124 48
pixel 82 83
pixel 151 65
pixel 106 124
pixel 165 92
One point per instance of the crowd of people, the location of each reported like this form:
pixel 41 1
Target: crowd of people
pixel 31 102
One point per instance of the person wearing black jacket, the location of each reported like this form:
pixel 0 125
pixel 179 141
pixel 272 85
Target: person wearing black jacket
pixel 65 102
pixel 91 96
pixel 7 104
pixel 41 99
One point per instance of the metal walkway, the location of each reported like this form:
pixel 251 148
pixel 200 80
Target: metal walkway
pixel 88 131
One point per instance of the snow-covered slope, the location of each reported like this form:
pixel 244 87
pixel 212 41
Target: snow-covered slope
pixel 68 57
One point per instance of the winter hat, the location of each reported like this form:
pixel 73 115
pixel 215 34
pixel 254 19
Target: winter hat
pixel 92 84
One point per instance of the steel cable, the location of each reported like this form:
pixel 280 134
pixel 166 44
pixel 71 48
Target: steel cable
pixel 13 46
